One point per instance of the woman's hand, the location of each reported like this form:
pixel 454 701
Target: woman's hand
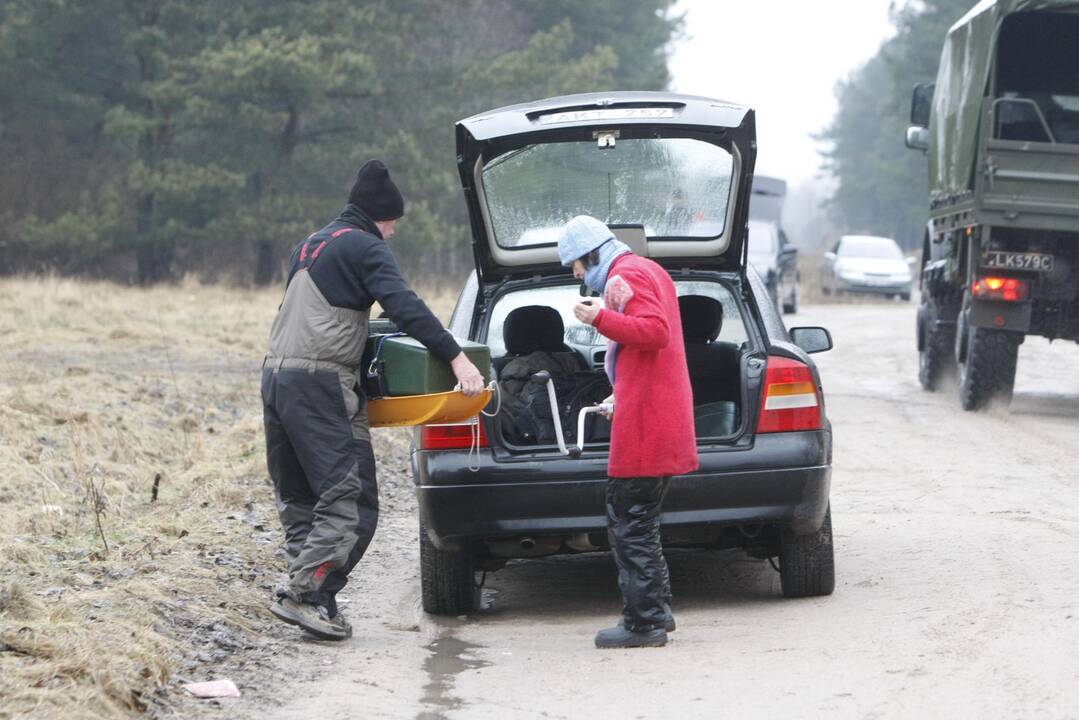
pixel 586 311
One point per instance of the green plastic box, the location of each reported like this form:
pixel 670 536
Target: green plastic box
pixel 409 369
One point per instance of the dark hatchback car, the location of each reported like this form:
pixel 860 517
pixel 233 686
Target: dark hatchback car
pixel 671 175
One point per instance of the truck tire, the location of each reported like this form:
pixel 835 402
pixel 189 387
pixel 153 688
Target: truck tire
pixel 936 346
pixel 447 579
pixel 806 562
pixel 988 368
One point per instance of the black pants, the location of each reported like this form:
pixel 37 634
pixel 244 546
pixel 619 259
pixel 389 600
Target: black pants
pixel 633 507
pixel 318 451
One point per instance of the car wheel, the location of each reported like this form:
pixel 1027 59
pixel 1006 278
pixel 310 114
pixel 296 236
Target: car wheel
pixel 987 362
pixel 905 297
pixel 792 306
pixel 447 579
pixel 807 562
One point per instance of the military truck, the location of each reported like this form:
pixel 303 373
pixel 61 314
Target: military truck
pixel 1001 250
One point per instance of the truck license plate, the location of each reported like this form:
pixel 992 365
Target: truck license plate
pixel 1034 262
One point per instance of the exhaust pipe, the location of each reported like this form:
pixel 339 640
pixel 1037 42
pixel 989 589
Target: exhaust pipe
pixel 527 543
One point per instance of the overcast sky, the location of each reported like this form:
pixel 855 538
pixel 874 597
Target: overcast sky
pixel 783 59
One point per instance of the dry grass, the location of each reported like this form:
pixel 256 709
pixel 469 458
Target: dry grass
pixel 106 595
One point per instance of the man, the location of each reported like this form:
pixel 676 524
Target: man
pixel 318 442
pixel 652 435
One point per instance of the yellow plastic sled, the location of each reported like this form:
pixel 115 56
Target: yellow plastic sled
pixel 433 409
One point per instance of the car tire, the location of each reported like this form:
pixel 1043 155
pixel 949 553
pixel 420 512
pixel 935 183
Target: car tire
pixel 792 306
pixel 987 366
pixel 905 297
pixel 807 562
pixel 447 579
pixel 936 355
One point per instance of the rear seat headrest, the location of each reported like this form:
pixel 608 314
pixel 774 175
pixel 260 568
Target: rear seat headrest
pixel 533 327
pixel 702 317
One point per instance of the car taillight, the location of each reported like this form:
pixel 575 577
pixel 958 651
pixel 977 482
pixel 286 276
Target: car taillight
pixel 999 288
pixel 452 437
pixel 790 399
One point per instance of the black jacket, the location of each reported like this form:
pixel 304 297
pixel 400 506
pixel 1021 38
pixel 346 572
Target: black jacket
pixel 355 269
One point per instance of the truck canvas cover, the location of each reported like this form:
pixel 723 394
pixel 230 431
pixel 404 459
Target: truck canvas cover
pixel 966 64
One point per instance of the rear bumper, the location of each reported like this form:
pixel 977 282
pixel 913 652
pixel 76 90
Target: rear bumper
pixel 854 286
pixel 730 489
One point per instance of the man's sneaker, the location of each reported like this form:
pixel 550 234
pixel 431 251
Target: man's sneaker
pixel 621 637
pixel 315 619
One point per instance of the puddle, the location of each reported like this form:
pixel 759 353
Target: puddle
pixel 449 657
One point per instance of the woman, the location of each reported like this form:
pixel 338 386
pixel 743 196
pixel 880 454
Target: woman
pixel 652 434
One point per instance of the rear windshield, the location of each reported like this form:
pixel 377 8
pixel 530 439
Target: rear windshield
pixel 582 337
pixel 675 187
pixel 879 248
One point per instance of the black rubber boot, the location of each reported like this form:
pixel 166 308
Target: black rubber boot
pixel 633 509
pixel 622 637
pixel 668 622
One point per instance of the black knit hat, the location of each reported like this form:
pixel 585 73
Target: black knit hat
pixel 375 194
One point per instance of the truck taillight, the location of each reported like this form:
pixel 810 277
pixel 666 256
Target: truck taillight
pixel 452 437
pixel 790 398
pixel 1000 288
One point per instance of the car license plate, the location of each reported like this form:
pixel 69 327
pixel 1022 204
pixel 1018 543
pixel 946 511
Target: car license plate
pixel 1034 262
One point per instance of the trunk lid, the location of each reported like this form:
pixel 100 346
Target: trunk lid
pixel 671 174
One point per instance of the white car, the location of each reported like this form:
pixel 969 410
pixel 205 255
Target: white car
pixel 867 264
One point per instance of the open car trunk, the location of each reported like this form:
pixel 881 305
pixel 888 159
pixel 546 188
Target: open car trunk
pixel 671 176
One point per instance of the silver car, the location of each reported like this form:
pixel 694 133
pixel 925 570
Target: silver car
pixel 867 264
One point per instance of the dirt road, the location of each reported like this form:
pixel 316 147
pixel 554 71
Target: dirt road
pixel 957 591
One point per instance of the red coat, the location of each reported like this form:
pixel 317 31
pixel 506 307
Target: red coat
pixel 653 433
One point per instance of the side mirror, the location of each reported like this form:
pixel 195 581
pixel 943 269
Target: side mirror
pixel 911 259
pixel 829 257
pixel 811 339
pixel 921 102
pixel 789 250
pixel 917 137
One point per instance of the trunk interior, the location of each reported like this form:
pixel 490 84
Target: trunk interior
pixel 533 329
